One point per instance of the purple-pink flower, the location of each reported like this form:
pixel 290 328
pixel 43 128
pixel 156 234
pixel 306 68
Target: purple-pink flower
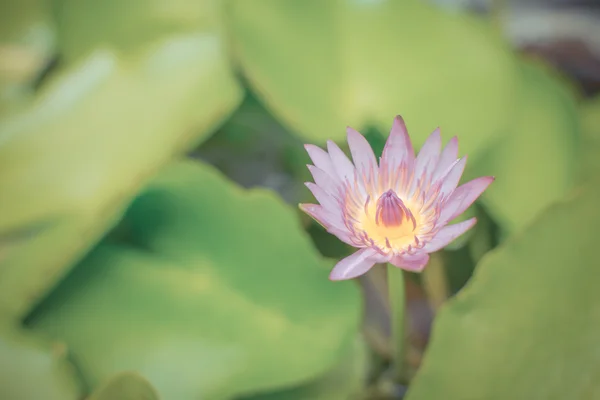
pixel 396 211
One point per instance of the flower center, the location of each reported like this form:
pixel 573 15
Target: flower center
pixel 389 222
pixel 391 211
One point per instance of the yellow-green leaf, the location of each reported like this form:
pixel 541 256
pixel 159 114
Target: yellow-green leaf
pixel 217 292
pixel 125 386
pixel 527 325
pixel 590 150
pixel 30 369
pixel 128 27
pixel 534 162
pixel 27 44
pixel 320 66
pixel 75 158
pixel 346 381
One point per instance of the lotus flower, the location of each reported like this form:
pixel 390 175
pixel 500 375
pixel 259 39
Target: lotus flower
pixel 396 212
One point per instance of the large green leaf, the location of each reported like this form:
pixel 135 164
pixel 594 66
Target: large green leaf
pixel 125 386
pixel 84 25
pixel 346 381
pixel 534 163
pixel 590 157
pixel 75 158
pixel 32 370
pixel 218 292
pixel 323 65
pixel 527 325
pixel 27 41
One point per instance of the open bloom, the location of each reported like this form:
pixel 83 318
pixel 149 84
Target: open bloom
pixel 396 211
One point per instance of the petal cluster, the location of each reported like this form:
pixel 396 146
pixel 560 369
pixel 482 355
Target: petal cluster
pixel 394 211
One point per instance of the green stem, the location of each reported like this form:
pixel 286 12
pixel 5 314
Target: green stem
pixel 435 282
pixel 397 310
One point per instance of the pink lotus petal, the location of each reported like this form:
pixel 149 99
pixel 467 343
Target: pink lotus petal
pixel 324 180
pixel 414 263
pixel 448 234
pixel 362 154
pixel 326 218
pixel 447 158
pixel 342 165
pixel 321 159
pixel 355 265
pixel 428 157
pixel 402 215
pixel 451 179
pixel 344 235
pixel 325 199
pixel 463 197
pixel 398 147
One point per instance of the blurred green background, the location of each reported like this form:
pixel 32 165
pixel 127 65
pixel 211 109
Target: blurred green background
pixel 151 162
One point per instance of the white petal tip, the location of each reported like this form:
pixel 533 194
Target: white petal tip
pixel 486 181
pixel 335 278
pixel 350 131
pixel 399 125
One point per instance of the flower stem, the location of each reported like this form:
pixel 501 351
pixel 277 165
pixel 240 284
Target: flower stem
pixel 435 282
pixel 397 317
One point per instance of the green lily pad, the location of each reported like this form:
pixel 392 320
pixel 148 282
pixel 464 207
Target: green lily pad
pixel 346 381
pixel 217 292
pixel 527 325
pixel 76 157
pixel 590 159
pixel 320 66
pixel 535 161
pixel 84 25
pixel 27 43
pixel 30 369
pixel 125 386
